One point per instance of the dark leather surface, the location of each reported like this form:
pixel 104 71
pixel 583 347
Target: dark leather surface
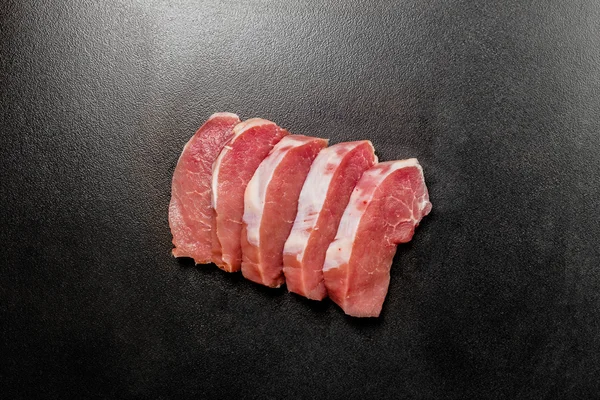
pixel 497 296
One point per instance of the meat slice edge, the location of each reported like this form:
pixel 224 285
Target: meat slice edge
pixel 271 201
pixel 387 204
pixel 190 210
pixel 252 141
pixel 324 196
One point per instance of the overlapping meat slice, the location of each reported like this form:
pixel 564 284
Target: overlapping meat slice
pixel 271 202
pixel 252 141
pixel 190 211
pixel 323 198
pixel 387 204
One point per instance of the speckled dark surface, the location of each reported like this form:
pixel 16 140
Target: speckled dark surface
pixel 497 296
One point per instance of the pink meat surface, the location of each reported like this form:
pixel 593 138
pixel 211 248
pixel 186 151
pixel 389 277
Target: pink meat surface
pixel 252 141
pixel 386 205
pixel 271 202
pixel 190 210
pixel 323 199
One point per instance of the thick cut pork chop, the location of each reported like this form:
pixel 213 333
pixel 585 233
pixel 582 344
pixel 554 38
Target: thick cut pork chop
pixel 323 199
pixel 271 202
pixel 386 205
pixel 252 141
pixel 190 211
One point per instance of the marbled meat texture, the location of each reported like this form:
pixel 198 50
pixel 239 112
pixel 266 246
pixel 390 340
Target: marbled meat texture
pixel 190 210
pixel 271 202
pixel 323 199
pixel 252 141
pixel 387 204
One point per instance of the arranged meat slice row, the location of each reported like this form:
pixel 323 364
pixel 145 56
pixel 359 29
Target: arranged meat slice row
pixel 251 143
pixel 190 210
pixel 386 205
pixel 271 201
pixel 288 209
pixel 323 198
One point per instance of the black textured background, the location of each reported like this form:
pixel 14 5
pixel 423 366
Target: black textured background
pixel 498 295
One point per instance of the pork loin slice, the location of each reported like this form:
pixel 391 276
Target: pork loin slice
pixel 252 141
pixel 324 196
pixel 271 202
pixel 385 207
pixel 190 211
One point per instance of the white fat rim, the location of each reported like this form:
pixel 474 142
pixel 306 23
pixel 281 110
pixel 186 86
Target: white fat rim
pixel 223 115
pixel 314 193
pixel 340 249
pixel 256 191
pixel 238 130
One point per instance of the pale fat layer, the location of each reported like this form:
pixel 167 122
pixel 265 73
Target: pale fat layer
pixel 314 193
pixel 256 191
pixel 238 130
pixel 340 249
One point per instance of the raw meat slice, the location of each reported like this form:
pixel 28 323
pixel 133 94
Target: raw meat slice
pixel 324 196
pixel 233 169
pixel 190 210
pixel 385 207
pixel 271 202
